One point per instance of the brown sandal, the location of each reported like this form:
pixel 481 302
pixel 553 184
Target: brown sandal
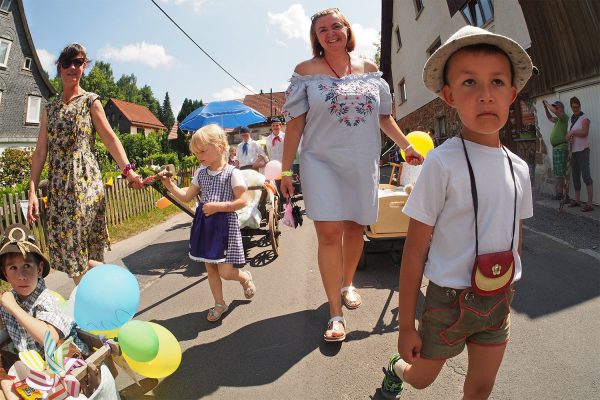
pixel 587 208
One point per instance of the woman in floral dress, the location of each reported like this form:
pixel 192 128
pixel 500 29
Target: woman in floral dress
pixel 77 234
pixel 337 104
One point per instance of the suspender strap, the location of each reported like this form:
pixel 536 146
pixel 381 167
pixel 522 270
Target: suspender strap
pixel 474 195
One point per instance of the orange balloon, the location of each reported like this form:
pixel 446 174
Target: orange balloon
pixel 163 202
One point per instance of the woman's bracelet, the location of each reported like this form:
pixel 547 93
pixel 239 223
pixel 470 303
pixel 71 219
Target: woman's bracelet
pixel 128 167
pixel 410 146
pixel 288 172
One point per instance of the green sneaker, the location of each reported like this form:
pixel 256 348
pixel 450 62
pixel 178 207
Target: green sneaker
pixel 391 387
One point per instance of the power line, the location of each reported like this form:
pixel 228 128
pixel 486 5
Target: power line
pixel 201 49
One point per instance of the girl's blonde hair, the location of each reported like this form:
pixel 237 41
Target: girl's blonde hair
pixel 209 134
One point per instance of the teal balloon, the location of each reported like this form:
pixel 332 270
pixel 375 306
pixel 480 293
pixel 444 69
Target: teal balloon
pixel 107 297
pixel 138 341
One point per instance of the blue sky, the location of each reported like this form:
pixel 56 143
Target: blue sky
pixel 257 41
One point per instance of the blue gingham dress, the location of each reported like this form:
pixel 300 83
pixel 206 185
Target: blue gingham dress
pixel 217 188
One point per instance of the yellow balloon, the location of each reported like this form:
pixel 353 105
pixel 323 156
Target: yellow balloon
pixel 166 361
pixel 421 142
pixel 59 299
pixel 109 333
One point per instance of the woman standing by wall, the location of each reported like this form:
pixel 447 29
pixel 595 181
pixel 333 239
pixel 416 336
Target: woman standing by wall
pixel 579 128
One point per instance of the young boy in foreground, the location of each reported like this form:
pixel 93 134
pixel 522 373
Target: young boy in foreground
pixel 465 229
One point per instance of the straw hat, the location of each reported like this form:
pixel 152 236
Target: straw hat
pixel 433 71
pixel 18 239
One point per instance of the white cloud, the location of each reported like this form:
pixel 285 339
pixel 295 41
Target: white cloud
pixel 197 5
pixel 294 23
pixel 365 37
pixel 47 60
pixel 153 55
pixel 232 93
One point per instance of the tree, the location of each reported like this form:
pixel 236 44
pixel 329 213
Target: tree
pixel 127 86
pixel 101 81
pixel 147 99
pixel 377 57
pixel 166 113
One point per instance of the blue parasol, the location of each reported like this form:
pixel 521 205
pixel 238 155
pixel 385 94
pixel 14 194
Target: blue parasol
pixel 226 114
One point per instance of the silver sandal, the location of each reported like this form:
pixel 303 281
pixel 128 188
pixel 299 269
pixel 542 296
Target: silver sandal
pixel 249 286
pixel 214 315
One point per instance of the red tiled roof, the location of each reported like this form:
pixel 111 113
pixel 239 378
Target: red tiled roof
pixel 138 115
pixel 262 103
pixel 173 133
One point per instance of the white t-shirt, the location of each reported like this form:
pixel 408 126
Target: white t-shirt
pixel 237 179
pixel 442 198
pixel 580 143
pixel 254 150
pixel 275 151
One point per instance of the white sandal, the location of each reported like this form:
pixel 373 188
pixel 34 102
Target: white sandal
pixel 335 324
pixel 249 286
pixel 214 315
pixel 350 297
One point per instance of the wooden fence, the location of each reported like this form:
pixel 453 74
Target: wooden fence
pixel 122 203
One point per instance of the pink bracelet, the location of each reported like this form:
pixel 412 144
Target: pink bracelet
pixel 228 205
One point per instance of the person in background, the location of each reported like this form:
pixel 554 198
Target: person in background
pixel 337 105
pixel 275 142
pixel 579 128
pixel 232 159
pixel 77 234
pixel 250 154
pixel 560 147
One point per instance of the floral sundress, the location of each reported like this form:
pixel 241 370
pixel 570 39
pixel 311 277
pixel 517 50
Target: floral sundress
pixel 76 203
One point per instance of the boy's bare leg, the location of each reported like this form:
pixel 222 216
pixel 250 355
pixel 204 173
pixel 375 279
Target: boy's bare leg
pixel 423 372
pixel 484 363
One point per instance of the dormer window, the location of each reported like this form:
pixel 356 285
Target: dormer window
pixel 34 106
pixel 27 64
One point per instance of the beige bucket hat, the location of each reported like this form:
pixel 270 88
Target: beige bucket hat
pixel 18 239
pixel 433 71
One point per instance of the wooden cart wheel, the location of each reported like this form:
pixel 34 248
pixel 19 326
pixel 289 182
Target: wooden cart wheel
pixel 274 227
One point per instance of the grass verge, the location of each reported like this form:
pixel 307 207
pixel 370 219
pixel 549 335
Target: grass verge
pixel 140 223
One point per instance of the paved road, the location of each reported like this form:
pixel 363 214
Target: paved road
pixel 272 347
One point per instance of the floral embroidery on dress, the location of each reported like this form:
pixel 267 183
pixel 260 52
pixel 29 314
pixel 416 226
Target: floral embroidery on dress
pixel 351 109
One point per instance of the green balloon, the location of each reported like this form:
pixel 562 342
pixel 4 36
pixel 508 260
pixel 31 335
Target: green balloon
pixel 138 341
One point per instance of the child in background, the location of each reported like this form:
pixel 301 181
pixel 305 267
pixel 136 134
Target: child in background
pixel 29 309
pixel 215 237
pixel 232 160
pixel 466 207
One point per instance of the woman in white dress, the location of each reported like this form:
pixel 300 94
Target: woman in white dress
pixel 337 104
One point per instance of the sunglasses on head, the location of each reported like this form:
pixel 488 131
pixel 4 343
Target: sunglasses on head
pixel 325 12
pixel 77 62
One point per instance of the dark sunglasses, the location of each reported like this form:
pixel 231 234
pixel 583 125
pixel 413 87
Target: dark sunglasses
pixel 325 12
pixel 77 62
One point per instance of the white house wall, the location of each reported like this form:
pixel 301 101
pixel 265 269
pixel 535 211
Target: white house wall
pixel 418 34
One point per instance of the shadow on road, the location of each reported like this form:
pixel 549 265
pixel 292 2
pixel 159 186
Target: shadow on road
pixel 254 355
pixel 555 277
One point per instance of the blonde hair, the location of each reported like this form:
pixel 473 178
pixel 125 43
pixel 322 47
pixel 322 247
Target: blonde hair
pixel 209 134
pixel 317 49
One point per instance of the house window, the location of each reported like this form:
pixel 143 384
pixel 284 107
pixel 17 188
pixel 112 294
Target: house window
pixel 418 6
pixel 0 97
pixel 434 46
pixel 441 126
pixel 401 91
pixel 34 105
pixel 27 64
pixel 478 12
pixel 4 51
pixel 398 39
pixel 4 6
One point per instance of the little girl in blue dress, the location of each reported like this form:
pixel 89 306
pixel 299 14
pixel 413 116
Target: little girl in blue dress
pixel 215 238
